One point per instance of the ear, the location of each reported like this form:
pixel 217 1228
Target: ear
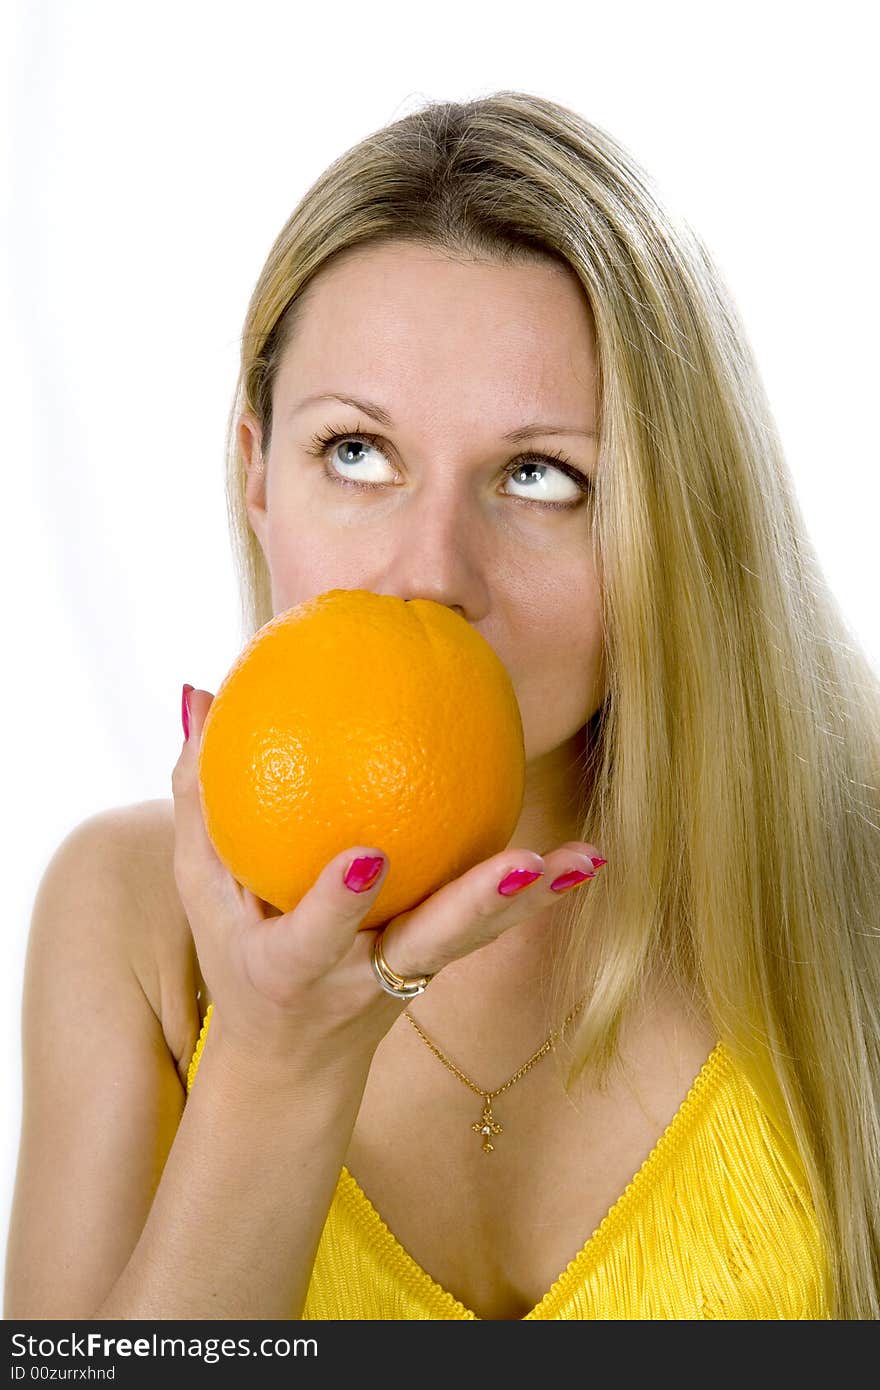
pixel 250 442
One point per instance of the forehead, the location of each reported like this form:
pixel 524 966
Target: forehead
pixel 402 318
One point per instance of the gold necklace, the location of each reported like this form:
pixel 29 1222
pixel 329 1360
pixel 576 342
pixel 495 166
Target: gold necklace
pixel 487 1125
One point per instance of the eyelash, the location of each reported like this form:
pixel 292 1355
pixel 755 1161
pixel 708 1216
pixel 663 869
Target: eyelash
pixel 322 442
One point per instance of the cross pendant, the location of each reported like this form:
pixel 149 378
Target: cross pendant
pixel 487 1125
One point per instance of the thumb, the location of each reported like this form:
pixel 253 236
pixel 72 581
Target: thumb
pixel 194 706
pixel 193 844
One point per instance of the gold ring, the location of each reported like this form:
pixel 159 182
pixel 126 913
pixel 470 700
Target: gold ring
pixel 391 982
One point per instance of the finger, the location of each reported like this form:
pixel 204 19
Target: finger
pixel 484 902
pixel 317 933
pixel 201 875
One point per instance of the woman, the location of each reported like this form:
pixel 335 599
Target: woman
pixel 483 364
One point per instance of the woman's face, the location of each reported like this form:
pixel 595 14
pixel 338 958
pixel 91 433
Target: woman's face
pixel 456 356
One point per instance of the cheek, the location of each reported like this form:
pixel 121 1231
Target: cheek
pixel 295 582
pixel 557 655
pixel 303 563
pixel 563 664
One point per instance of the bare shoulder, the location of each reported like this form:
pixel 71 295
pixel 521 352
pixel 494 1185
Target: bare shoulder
pixel 159 939
pixel 108 1012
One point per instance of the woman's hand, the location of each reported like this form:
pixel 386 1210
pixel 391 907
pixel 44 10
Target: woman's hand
pixel 302 981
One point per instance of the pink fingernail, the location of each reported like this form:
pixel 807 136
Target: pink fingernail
pixel 516 880
pixel 597 863
pixel 184 708
pixel 569 879
pixel 362 873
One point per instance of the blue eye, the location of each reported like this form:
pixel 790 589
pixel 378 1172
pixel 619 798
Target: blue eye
pixel 323 443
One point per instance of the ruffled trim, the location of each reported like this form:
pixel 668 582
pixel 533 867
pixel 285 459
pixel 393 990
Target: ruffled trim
pixel 716 1223
pixel 200 1046
pixel 373 1228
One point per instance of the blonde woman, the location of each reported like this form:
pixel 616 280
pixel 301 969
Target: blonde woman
pixel 483 364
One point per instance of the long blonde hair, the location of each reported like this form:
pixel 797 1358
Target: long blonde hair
pixel 732 770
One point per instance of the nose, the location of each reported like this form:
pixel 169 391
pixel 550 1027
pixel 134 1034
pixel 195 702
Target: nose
pixel 435 549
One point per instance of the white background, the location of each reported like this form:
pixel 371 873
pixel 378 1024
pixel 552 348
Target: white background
pixel 152 154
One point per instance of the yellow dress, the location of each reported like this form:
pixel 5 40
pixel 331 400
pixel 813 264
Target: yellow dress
pixel 715 1224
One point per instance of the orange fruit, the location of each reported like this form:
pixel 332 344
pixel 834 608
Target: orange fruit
pixel 358 718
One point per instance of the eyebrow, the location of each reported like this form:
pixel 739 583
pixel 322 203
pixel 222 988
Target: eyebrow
pixel 376 412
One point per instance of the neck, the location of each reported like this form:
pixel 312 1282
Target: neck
pixel 490 1009
pixel 553 797
pixel 493 1004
